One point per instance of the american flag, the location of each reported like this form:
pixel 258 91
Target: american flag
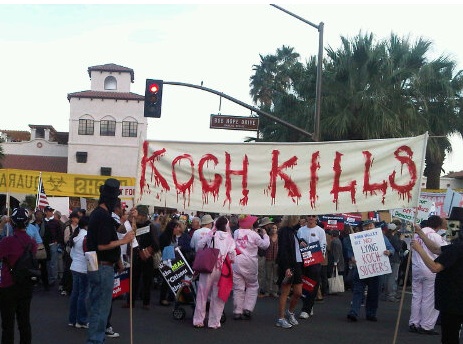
pixel 42 200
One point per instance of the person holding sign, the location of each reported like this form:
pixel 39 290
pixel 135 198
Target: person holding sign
pixel 102 240
pixel 142 258
pixel 369 261
pixel 289 262
pixel 312 240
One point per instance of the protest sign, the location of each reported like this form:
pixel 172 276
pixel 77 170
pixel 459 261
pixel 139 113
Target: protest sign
pixel 369 254
pixel 312 254
pixel 175 270
pixel 281 178
pixel 332 222
pixel 353 219
pixel 308 284
pixel 424 209
pixel 121 283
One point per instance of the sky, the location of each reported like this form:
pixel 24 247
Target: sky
pixel 47 49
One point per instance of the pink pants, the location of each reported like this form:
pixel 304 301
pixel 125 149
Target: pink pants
pixel 245 290
pixel 207 284
pixel 423 314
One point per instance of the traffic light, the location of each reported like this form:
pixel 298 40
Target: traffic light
pixel 153 98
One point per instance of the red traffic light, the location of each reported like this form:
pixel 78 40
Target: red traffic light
pixel 153 88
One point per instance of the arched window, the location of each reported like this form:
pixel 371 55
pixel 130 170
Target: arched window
pixel 129 127
pixel 110 83
pixel 86 125
pixel 108 126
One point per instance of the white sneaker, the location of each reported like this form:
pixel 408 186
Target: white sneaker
pixel 304 315
pixel 282 322
pixel 81 325
pixel 311 312
pixel 291 318
pixel 110 333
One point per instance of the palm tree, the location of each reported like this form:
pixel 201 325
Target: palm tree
pixel 365 91
pixel 274 88
pixel 437 94
pixel 370 90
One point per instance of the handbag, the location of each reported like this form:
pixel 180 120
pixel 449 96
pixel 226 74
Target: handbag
pixel 336 282
pixel 41 252
pixel 206 259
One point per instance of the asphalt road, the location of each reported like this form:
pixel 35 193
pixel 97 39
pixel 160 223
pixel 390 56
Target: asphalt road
pixel 328 325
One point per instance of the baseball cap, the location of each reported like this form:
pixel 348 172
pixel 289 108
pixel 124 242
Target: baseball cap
pixel 19 217
pixel 48 208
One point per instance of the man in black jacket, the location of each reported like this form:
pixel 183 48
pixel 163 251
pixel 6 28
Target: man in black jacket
pixel 142 255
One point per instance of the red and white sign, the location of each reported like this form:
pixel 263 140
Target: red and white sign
pixel 312 254
pixel 282 178
pixel 308 284
pixel 121 283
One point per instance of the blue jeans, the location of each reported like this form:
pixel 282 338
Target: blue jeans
pixel 358 290
pixel 101 285
pixel 52 264
pixel 77 305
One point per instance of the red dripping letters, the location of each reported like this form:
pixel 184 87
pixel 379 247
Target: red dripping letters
pixel 218 175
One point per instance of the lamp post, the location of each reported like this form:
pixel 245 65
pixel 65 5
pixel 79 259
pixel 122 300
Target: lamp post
pixel 318 88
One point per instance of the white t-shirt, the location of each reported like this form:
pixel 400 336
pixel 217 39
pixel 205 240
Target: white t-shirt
pixel 313 234
pixel 79 262
pixel 197 235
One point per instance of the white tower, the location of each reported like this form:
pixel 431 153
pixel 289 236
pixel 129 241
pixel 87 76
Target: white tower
pixel 106 124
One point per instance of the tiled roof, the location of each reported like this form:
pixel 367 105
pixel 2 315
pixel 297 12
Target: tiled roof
pixel 36 163
pixel 106 95
pixel 455 175
pixel 17 135
pixel 111 67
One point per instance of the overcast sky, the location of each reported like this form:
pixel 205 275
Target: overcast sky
pixel 46 50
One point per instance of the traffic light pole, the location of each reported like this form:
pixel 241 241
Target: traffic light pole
pixel 318 89
pixel 247 106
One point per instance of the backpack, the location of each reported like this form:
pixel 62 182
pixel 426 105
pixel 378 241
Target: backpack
pixel 26 269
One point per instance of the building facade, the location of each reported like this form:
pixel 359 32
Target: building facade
pixel 106 124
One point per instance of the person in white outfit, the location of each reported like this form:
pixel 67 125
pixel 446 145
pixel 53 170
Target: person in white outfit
pixel 423 315
pixel 206 223
pixel 245 268
pixel 208 282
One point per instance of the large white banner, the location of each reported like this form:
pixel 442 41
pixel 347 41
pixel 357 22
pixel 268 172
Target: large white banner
pixel 281 178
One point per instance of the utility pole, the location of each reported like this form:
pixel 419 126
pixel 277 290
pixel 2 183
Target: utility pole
pixel 318 89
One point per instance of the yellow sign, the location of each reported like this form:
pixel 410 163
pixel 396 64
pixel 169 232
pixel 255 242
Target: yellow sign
pixel 55 184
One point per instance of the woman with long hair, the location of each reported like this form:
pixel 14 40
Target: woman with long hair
pixel 169 237
pixel 289 262
pixel 77 307
pixel 220 238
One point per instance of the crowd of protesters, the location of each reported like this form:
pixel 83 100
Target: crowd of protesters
pixel 262 254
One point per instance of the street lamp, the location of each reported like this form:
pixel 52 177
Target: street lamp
pixel 318 88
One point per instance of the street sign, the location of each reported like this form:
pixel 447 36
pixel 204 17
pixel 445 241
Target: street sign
pixel 234 123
